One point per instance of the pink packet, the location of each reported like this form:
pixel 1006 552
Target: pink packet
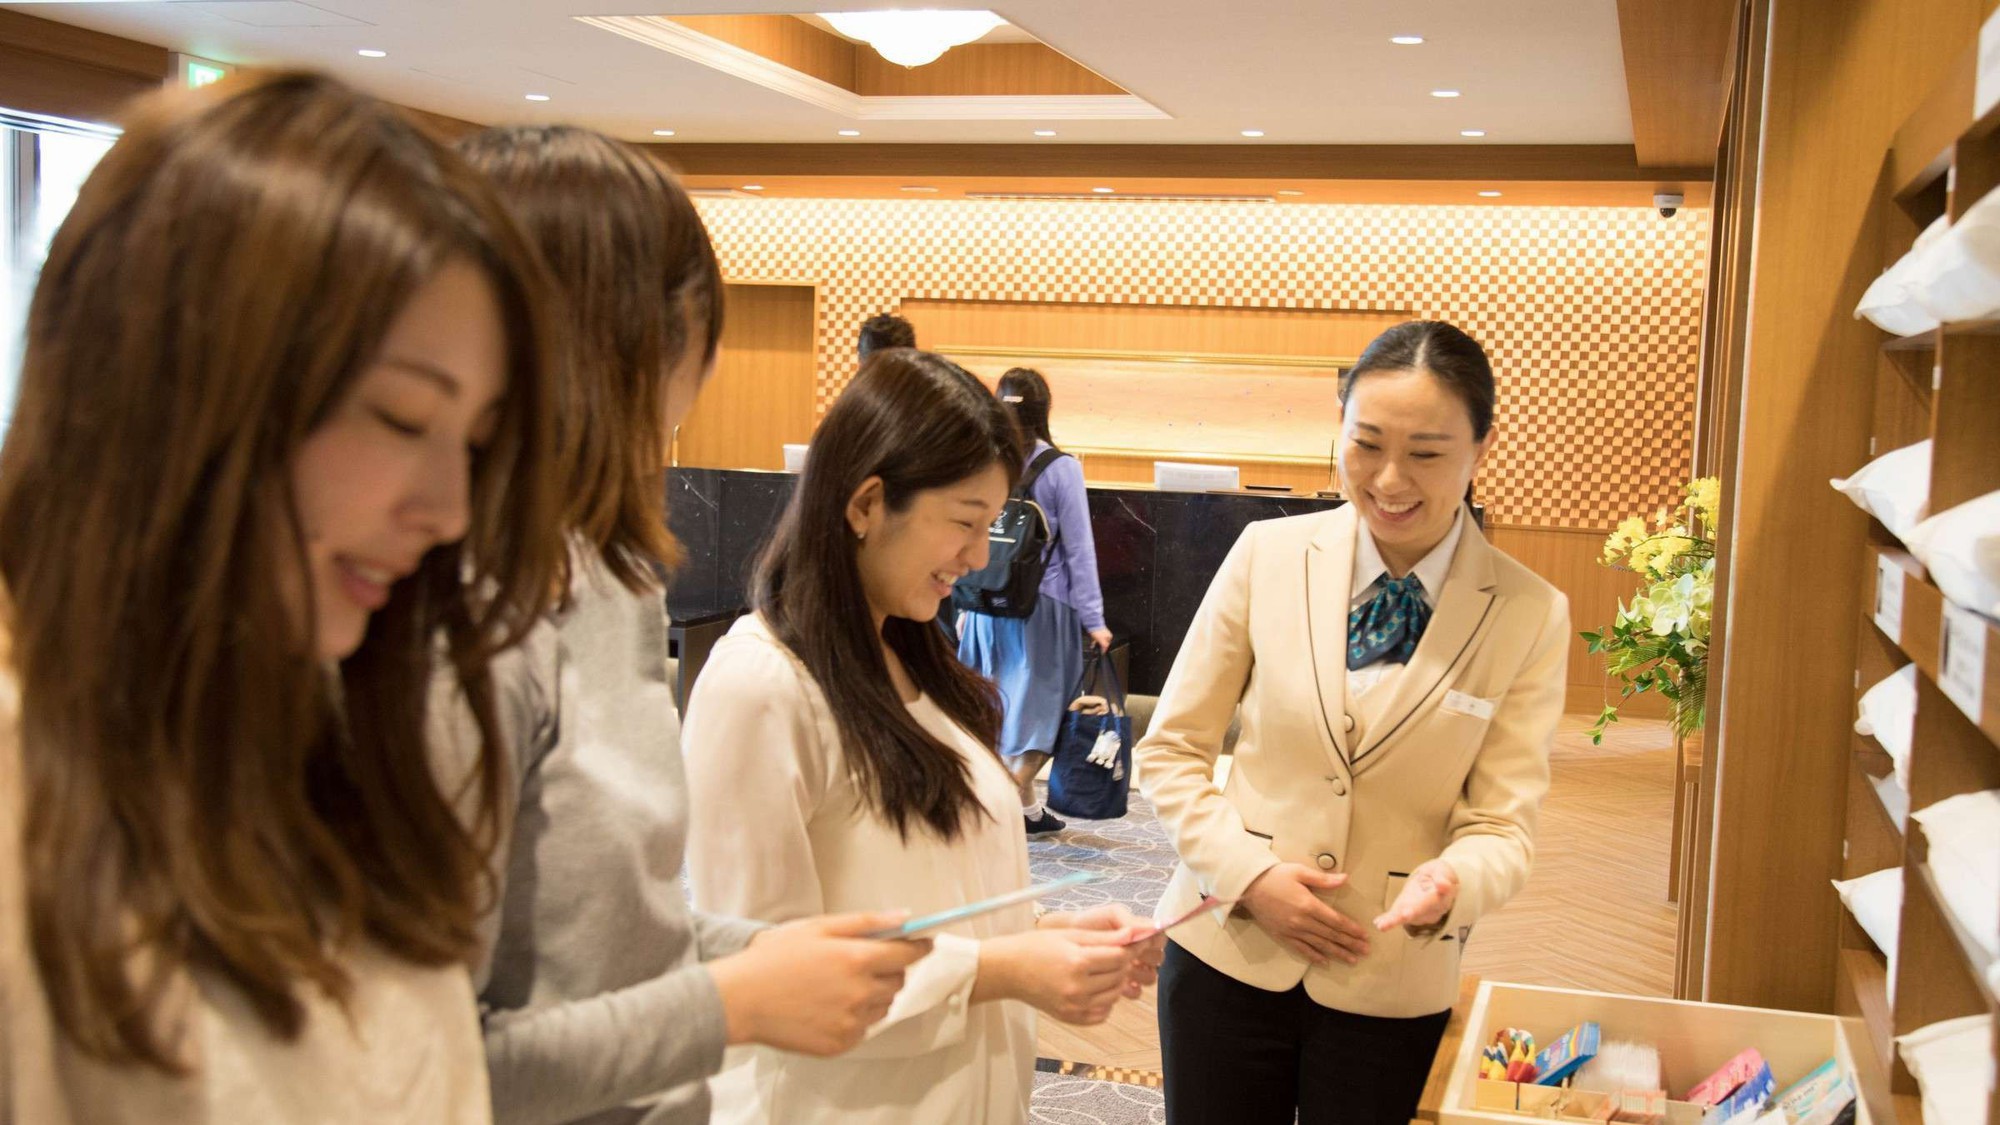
pixel 1718 1086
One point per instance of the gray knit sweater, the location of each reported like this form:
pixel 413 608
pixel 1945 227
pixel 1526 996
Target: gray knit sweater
pixel 596 1004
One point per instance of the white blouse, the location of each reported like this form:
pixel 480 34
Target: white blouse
pixel 780 832
pixel 404 1048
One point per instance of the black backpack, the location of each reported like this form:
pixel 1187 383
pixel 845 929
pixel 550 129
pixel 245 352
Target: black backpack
pixel 1018 547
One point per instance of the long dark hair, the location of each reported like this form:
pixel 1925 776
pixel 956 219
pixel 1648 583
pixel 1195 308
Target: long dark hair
pixel 919 422
pixel 1024 392
pixel 638 282
pixel 1447 353
pixel 198 793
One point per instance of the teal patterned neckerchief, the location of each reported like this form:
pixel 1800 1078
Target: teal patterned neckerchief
pixel 1388 625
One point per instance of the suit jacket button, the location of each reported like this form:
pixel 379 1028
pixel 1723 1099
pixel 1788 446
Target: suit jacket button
pixel 1347 723
pixel 1339 787
pixel 1326 861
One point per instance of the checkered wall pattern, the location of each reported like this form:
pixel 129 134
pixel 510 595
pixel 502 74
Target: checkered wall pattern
pixel 1592 315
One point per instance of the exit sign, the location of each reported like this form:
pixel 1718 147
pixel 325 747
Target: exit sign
pixel 193 71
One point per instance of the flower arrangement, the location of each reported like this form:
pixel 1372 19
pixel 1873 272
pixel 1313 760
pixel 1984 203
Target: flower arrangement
pixel 1659 640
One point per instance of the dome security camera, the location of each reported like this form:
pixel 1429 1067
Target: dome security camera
pixel 1669 203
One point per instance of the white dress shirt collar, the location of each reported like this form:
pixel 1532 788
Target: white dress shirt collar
pixel 1431 571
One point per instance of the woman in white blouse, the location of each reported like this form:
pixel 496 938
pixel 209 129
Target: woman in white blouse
pixel 840 758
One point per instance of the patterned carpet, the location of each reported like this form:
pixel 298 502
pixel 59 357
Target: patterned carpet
pixel 1134 852
pixel 1066 1099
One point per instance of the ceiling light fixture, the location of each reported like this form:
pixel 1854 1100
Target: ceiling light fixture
pixel 1489 195
pixel 1472 132
pixel 1253 132
pixel 372 53
pixel 753 187
pixel 1406 40
pixel 538 97
pixel 1444 93
pixel 1045 132
pixel 913 38
pixel 1289 191
pixel 1102 190
pixel 663 132
pixel 850 132
pixel 916 187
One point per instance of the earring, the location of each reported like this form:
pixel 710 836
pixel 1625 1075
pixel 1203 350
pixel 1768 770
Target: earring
pixel 860 537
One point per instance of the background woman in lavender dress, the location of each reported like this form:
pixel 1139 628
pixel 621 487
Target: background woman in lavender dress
pixel 1037 659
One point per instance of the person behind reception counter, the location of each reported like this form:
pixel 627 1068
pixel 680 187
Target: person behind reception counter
pixel 841 758
pixel 603 994
pixel 1399 682
pixel 884 330
pixel 1037 660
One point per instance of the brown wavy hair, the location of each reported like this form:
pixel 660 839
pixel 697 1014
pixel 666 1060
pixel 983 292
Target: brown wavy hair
pixel 201 791
pixel 918 421
pixel 638 282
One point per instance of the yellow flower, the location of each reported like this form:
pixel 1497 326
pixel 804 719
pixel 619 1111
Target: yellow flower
pixel 1666 549
pixel 1704 499
pixel 1642 555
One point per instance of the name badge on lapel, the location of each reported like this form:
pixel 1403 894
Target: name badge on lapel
pixel 1459 703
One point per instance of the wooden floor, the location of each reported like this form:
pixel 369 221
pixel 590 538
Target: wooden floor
pixel 1594 914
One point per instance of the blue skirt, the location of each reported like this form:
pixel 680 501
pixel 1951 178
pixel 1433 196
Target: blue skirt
pixel 1036 660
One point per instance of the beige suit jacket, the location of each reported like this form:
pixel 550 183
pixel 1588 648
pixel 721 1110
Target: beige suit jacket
pixel 1455 767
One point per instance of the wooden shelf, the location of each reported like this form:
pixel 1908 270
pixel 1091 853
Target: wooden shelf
pixel 1922 628
pixel 1921 342
pixel 1867 982
pixel 1909 1109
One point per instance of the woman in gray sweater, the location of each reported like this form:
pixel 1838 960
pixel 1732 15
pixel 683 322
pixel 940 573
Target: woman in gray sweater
pixel 604 997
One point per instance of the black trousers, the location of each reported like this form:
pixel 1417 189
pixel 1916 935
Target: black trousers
pixel 1235 1054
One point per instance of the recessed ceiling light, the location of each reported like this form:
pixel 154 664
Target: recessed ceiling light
pixel 1253 132
pixel 918 187
pixel 1444 93
pixel 663 132
pixel 1472 132
pixel 850 132
pixel 538 97
pixel 1289 191
pixel 1489 195
pixel 372 53
pixel 753 187
pixel 1406 40
pixel 1102 190
pixel 1045 132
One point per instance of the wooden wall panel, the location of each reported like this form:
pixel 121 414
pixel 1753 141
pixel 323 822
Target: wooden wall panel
pixel 1677 72
pixel 979 69
pixel 1839 82
pixel 1314 333
pixel 786 40
pixel 1611 163
pixel 62 71
pixel 1568 560
pixel 761 395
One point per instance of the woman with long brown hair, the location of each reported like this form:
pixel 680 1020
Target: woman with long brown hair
pixel 603 991
pixel 841 758
pixel 278 451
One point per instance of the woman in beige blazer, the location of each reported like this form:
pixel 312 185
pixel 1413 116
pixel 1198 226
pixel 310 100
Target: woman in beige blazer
pixel 1398 682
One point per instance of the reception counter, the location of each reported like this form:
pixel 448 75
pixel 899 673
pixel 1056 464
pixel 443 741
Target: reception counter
pixel 1156 551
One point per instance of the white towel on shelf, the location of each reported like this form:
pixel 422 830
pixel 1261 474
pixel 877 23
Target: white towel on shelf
pixel 1891 301
pixel 1894 488
pixel 1961 548
pixel 1953 1064
pixel 1876 901
pixel 1964 861
pixel 1889 716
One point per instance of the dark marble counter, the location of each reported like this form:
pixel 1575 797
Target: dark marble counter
pixel 1156 551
